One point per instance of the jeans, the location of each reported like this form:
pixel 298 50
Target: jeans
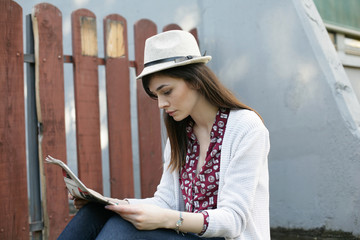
pixel 93 221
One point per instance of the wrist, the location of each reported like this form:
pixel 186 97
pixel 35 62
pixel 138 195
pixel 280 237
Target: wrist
pixel 171 218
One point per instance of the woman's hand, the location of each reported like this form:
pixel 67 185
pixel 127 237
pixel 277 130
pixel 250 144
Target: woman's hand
pixel 78 202
pixel 117 201
pixel 143 217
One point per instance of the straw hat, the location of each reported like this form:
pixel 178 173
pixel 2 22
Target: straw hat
pixel 170 49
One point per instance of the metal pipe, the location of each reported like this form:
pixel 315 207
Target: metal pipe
pixel 36 221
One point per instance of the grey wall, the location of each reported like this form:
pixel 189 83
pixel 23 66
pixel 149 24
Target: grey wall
pixel 276 57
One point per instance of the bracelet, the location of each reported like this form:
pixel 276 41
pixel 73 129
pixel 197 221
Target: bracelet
pixel 179 223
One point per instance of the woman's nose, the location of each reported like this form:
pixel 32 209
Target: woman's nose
pixel 162 103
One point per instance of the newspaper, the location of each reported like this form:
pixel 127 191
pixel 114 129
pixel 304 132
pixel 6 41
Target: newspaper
pixel 76 187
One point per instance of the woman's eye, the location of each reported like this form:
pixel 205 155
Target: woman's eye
pixel 167 92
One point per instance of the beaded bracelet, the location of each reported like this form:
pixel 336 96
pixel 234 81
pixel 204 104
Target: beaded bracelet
pixel 179 223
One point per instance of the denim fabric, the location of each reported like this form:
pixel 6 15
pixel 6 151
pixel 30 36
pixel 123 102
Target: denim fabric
pixel 93 221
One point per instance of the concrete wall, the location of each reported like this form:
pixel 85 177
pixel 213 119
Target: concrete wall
pixel 276 57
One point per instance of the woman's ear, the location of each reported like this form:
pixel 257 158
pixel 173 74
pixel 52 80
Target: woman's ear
pixel 193 85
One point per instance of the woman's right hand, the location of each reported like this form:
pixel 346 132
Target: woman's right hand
pixel 78 202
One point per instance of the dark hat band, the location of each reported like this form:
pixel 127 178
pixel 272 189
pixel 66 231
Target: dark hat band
pixel 175 59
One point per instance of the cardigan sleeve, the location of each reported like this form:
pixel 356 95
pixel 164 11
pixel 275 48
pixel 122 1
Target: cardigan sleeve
pixel 164 196
pixel 242 210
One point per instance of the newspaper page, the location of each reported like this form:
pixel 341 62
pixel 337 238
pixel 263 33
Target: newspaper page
pixel 76 187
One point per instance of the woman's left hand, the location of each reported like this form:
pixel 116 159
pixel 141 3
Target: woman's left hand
pixel 143 217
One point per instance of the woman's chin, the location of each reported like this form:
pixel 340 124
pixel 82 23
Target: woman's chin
pixel 178 118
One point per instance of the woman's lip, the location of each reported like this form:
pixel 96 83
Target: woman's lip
pixel 170 112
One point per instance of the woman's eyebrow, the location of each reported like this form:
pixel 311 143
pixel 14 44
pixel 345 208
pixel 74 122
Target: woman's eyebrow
pixel 160 87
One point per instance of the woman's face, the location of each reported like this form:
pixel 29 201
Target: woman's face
pixel 174 96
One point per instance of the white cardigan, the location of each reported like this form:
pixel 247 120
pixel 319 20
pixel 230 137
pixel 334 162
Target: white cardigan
pixel 243 198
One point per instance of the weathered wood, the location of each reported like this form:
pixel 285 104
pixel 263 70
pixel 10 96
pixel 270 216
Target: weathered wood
pixel 47 25
pixel 118 106
pixel 115 36
pixel 88 36
pixel 148 118
pixel 84 47
pixel 171 26
pixel 14 222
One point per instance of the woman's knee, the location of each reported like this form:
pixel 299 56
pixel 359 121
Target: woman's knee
pixel 117 228
pixel 87 223
pixel 94 210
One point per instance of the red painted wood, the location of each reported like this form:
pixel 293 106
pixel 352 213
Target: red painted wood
pixel 14 223
pixel 118 107
pixel 51 113
pixel 171 26
pixel 87 105
pixel 148 118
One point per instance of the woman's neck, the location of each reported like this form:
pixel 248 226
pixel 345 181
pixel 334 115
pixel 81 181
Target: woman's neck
pixel 204 115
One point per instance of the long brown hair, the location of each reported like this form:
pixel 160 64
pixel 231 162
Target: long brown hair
pixel 197 76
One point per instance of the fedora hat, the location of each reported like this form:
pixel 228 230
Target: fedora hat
pixel 170 49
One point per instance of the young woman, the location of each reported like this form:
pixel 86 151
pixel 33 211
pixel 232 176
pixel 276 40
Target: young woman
pixel 215 176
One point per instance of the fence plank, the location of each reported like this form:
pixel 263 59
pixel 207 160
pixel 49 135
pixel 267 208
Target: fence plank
pixel 171 26
pixel 84 47
pixel 49 65
pixel 13 186
pixel 118 106
pixel 148 118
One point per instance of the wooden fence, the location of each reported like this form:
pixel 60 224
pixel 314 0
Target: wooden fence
pixel 48 61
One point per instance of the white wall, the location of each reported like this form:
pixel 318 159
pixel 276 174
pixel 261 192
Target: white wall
pixel 276 56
